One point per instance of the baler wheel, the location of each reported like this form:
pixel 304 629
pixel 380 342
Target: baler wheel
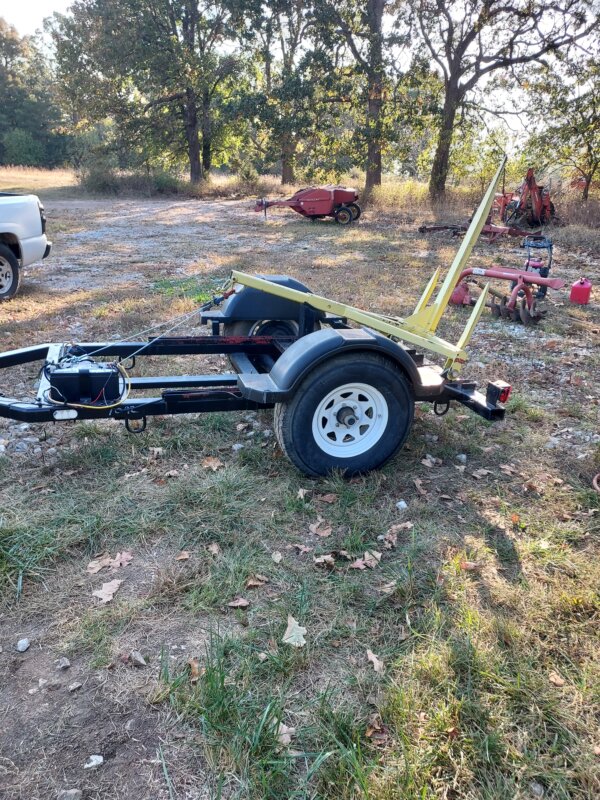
pixel 356 211
pixel 344 215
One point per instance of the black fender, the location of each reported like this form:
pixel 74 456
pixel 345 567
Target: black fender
pixel 307 352
pixel 254 304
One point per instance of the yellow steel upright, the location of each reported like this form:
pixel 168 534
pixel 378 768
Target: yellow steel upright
pixel 426 318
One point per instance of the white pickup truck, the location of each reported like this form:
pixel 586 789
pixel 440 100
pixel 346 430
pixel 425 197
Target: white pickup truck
pixel 22 238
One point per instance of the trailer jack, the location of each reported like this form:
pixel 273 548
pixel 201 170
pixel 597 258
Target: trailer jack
pixel 343 396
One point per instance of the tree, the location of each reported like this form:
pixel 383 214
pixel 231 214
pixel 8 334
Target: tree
pixel 472 39
pixel 360 25
pixel 570 134
pixel 283 96
pixel 30 119
pixel 147 62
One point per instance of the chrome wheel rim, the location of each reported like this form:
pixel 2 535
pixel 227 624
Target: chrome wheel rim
pixel 6 275
pixel 350 420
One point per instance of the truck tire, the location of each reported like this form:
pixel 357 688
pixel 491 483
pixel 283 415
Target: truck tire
pixel 10 273
pixel 351 413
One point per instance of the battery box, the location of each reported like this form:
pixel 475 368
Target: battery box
pixel 84 382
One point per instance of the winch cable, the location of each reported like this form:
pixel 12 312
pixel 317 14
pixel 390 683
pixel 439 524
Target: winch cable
pixel 177 322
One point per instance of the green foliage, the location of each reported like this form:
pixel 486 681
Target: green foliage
pixel 20 147
pixel 30 131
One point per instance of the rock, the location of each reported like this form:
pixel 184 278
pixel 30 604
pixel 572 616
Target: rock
pixel 461 458
pixel 137 659
pixel 537 790
pixel 401 505
pixel 93 762
pixel 20 447
pixel 42 682
pixel 23 645
pixel 70 794
pixel 74 686
pixel 237 447
pixel 62 663
pixel 24 426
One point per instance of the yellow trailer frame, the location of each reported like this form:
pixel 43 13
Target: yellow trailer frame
pixel 420 327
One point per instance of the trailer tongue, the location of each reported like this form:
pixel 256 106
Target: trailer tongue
pixel 343 396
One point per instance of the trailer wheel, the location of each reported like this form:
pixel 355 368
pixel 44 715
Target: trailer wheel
pixel 343 215
pixel 356 211
pixel 10 273
pixel 261 327
pixel 351 413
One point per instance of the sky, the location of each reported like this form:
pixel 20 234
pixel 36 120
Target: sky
pixel 28 15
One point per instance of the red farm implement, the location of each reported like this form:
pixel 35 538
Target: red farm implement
pixel 317 202
pixel 529 205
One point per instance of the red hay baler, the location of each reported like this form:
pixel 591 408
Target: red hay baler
pixel 317 202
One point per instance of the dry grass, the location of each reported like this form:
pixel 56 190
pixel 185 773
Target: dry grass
pixel 469 706
pixel 57 182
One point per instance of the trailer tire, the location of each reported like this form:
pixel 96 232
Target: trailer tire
pixel 343 215
pixel 10 273
pixel 261 327
pixel 356 211
pixel 364 395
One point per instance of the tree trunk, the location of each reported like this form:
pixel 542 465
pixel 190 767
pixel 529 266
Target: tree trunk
pixel 206 133
pixel 190 116
pixel 288 152
pixel 586 188
pixel 375 100
pixel 439 170
pixel 374 109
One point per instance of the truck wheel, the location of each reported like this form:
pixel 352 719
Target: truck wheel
pixel 356 211
pixel 351 413
pixel 343 215
pixel 10 273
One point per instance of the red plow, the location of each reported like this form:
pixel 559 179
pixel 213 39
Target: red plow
pixel 318 202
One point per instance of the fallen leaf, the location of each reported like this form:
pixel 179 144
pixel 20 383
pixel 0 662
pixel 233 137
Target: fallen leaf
pixel 481 473
pixel 324 561
pixel 328 498
pixel 183 556
pixel 122 559
pixel 195 670
pixel 531 486
pixel 254 581
pixel 597 750
pixel 401 526
pixel 212 463
pixel 294 633
pixel 284 734
pixel 239 602
pixel 376 730
pixel 302 493
pixel 388 588
pixel 108 591
pixel 390 540
pixel 98 563
pixel 358 564
pixel 156 452
pixel 430 461
pixel 214 549
pixel 172 473
pixel 419 487
pixel 471 566
pixel 377 662
pixel 302 548
pixel 403 634
pixel 556 679
pixel 242 426
pixel 277 557
pixel 371 558
pixel 508 469
pixel 515 519
pixel 316 528
pixel 262 656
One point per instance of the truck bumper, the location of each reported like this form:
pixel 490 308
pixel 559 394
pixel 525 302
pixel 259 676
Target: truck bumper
pixel 48 250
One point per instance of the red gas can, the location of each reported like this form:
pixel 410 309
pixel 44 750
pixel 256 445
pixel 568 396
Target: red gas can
pixel 581 291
